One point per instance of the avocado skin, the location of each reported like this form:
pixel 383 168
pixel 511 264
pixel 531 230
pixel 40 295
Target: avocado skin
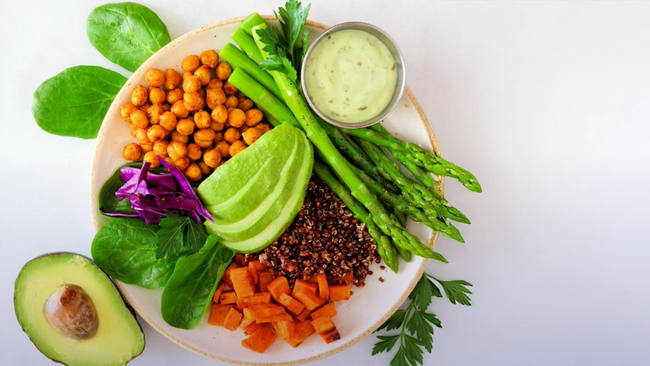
pixel 111 287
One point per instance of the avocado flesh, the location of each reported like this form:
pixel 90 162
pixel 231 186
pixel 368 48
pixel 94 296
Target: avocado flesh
pixel 119 337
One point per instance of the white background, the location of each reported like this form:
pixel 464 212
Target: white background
pixel 548 103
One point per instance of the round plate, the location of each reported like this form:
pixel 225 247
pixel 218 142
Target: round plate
pixel 368 308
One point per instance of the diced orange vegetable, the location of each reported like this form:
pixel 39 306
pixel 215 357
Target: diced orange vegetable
pixel 260 340
pixel 248 319
pixel 264 279
pixel 226 274
pixel 304 315
pixel 328 310
pixel 240 259
pixel 251 328
pixel 323 286
pixel 258 298
pixel 218 314
pixel 294 306
pixel 267 313
pixel 241 282
pixel 254 268
pixel 274 318
pixel 302 285
pixel 302 331
pixel 279 286
pixel 307 298
pixel 285 329
pixel 349 277
pixel 340 292
pixel 326 329
pixel 228 297
pixel 217 293
pixel 232 320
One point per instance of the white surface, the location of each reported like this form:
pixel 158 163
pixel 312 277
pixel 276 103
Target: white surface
pixel 547 103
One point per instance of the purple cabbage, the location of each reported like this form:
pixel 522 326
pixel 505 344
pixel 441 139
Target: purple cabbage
pixel 155 195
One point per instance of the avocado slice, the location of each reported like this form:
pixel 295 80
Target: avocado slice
pixel 74 314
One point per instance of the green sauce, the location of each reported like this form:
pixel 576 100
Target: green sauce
pixel 350 76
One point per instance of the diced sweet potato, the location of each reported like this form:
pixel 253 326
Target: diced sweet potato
pixel 248 319
pixel 307 297
pixel 217 293
pixel 274 318
pixel 303 315
pixel 257 299
pixel 323 286
pixel 302 331
pixel 264 279
pixel 241 282
pixel 328 310
pixel 260 340
pixel 268 313
pixel 228 297
pixel 340 292
pixel 226 274
pixel 285 329
pixel 302 285
pixel 326 329
pixel 292 305
pixel 254 268
pixel 279 286
pixel 218 314
pixel 232 320
pixel 251 328
pixel 240 259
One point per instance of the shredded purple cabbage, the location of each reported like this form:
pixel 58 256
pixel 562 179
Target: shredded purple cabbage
pixel 155 195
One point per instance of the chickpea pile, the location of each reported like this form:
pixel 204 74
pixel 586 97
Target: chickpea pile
pixel 196 120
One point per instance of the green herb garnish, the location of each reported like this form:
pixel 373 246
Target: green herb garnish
pixel 178 233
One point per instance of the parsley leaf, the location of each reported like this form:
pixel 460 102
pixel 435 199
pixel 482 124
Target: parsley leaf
pixel 274 41
pixel 280 63
pixel 456 291
pixel 177 233
pixel 385 344
pixel 292 21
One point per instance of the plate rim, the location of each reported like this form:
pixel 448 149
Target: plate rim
pixel 431 242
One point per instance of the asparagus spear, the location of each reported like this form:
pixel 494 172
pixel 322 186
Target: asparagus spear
pixel 247 44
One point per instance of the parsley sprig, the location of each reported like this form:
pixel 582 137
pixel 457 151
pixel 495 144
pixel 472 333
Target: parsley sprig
pixel 416 324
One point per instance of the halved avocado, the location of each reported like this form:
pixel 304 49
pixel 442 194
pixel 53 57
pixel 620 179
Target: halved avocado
pixel 74 314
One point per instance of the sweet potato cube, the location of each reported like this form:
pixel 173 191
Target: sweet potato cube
pixel 303 315
pixel 217 293
pixel 326 329
pixel 323 286
pixel 302 285
pixel 218 314
pixel 260 340
pixel 252 327
pixel 264 279
pixel 349 277
pixel 285 329
pixel 232 320
pixel 268 313
pixel 278 286
pixel 257 299
pixel 254 268
pixel 226 274
pixel 274 318
pixel 294 306
pixel 241 282
pixel 340 292
pixel 228 297
pixel 328 310
pixel 330 336
pixel 307 298
pixel 302 331
pixel 248 319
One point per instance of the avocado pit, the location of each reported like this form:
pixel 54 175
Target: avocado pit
pixel 71 312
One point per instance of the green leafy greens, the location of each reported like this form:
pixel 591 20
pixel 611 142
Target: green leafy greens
pixel 416 324
pixel 179 233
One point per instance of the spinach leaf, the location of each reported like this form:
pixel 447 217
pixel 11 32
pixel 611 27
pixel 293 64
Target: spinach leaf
pixel 107 200
pixel 126 250
pixel 126 33
pixel 189 291
pixel 179 235
pixel 74 102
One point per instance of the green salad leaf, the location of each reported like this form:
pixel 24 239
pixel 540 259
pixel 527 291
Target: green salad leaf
pixel 189 291
pixel 126 33
pixel 178 233
pixel 125 248
pixel 74 102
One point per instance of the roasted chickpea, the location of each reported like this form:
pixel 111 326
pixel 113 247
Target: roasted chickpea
pixel 175 95
pixel 214 98
pixel 245 104
pixel 166 107
pixel 217 126
pixel 141 135
pixel 192 101
pixel 231 102
pixel 212 158
pixel 229 89
pixel 203 75
pixel 155 78
pixel 132 152
pixel 209 58
pixel 139 96
pixel 179 109
pixel 145 107
pixel 193 172
pixel 215 84
pixel 133 130
pixel 223 71
pixel 237 147
pixel 185 127
pixel 243 129
pixel 146 147
pixel 220 114
pixel 204 137
pixel 175 136
pixel 205 169
pixel 236 117
pixel 151 158
pixel 139 119
pixel 160 147
pixel 218 136
pixel 190 63
pixel 176 150
pixel 155 133
pixel 251 135
pixel 194 151
pixel 182 163
pixel 223 147
pixel 202 119
pixel 168 121
pixel 191 84
pixel 154 112
pixel 172 79
pixel 157 96
pixel 231 135
pixel 264 127
pixel 253 117
pixel 126 110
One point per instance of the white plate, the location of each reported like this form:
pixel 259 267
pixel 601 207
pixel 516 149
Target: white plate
pixel 369 307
